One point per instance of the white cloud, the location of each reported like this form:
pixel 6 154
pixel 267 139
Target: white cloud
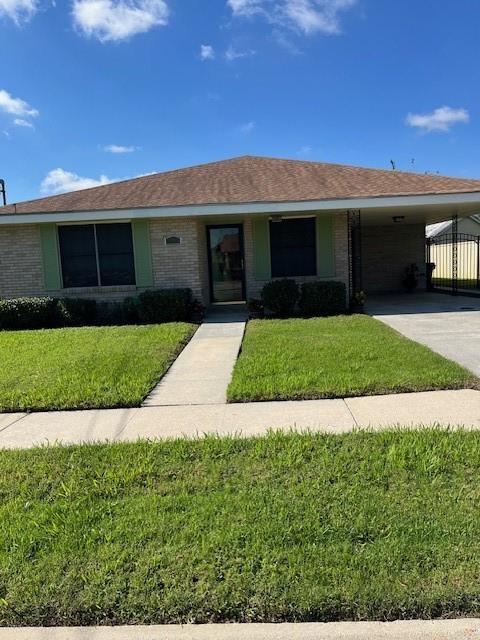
pixel 16 106
pixel 118 148
pixel 234 54
pixel 20 122
pixel 18 10
pixel 441 119
pixel 60 181
pixel 306 150
pixel 306 16
pixel 113 20
pixel 248 127
pixel 207 52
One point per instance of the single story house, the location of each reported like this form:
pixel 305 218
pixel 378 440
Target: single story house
pixel 226 228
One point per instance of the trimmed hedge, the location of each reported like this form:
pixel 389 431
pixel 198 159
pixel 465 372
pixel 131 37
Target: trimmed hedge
pixel 280 297
pixel 165 305
pixel 150 307
pixel 323 298
pixel 31 313
pixel 317 298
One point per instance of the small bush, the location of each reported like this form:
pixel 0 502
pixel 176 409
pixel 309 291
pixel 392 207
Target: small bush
pixel 165 305
pixel 323 298
pixel 78 312
pixel 280 297
pixel 30 313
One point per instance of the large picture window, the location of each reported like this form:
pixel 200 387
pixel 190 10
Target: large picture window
pixel 292 247
pixel 96 255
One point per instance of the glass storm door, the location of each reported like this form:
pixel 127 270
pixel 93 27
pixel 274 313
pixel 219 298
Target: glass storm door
pixel 225 255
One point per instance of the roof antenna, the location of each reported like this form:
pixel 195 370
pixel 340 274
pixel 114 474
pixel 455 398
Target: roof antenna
pixel 392 162
pixel 3 192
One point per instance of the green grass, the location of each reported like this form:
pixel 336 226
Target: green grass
pixel 93 367
pixel 335 358
pixel 286 527
pixel 471 283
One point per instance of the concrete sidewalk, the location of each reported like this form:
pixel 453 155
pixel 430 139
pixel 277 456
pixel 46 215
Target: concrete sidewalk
pixel 203 370
pixel 401 630
pixel 456 408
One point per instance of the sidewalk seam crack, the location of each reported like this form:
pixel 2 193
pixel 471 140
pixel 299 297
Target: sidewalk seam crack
pixel 14 422
pixel 350 412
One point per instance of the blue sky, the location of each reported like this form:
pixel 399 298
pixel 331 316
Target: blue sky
pixel 94 90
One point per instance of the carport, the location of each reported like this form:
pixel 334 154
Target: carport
pixel 384 241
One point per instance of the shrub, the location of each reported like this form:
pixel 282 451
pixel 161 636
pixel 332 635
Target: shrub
pixel 150 307
pixel 78 312
pixel 130 311
pixel 280 296
pixel 165 305
pixel 30 313
pixel 323 298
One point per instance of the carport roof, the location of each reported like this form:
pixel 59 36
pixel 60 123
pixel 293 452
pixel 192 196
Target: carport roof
pixel 247 179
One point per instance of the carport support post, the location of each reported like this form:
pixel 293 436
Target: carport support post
pixel 454 254
pixel 354 253
pixel 478 262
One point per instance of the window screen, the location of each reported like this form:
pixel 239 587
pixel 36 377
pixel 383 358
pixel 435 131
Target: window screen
pixel 81 245
pixel 115 254
pixel 77 253
pixel 292 246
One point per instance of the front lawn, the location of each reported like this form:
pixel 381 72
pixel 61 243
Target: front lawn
pixel 83 368
pixel 286 527
pixel 335 358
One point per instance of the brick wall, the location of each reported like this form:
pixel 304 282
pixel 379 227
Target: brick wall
pixel 386 251
pixel 182 265
pixel 178 265
pixel 254 286
pixel 21 268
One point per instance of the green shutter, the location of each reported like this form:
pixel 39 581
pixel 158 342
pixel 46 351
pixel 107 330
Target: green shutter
pixel 143 253
pixel 325 247
pixel 51 264
pixel 261 249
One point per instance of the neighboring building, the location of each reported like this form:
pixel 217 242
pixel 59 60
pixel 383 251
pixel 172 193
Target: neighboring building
pixel 467 252
pixel 469 225
pixel 226 228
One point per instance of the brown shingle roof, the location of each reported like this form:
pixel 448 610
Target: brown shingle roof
pixel 247 179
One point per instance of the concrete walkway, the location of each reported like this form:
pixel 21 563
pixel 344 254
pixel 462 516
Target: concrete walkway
pixel 468 629
pixel 450 325
pixel 255 418
pixel 202 372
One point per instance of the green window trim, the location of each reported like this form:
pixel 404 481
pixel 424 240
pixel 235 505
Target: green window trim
pixel 50 258
pixel 325 246
pixel 142 252
pixel 261 248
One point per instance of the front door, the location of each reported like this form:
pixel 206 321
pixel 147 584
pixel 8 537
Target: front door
pixel 225 259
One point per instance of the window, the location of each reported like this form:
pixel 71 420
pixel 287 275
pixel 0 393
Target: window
pixel 292 246
pixel 96 254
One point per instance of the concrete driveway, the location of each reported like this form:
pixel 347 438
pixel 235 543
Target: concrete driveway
pixel 447 324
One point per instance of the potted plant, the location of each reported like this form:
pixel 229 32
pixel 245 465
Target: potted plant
pixel 358 302
pixel 410 278
pixel 255 308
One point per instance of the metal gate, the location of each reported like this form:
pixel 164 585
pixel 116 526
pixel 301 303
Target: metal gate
pixel 453 263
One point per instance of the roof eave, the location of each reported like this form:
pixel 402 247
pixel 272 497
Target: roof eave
pixel 341 204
